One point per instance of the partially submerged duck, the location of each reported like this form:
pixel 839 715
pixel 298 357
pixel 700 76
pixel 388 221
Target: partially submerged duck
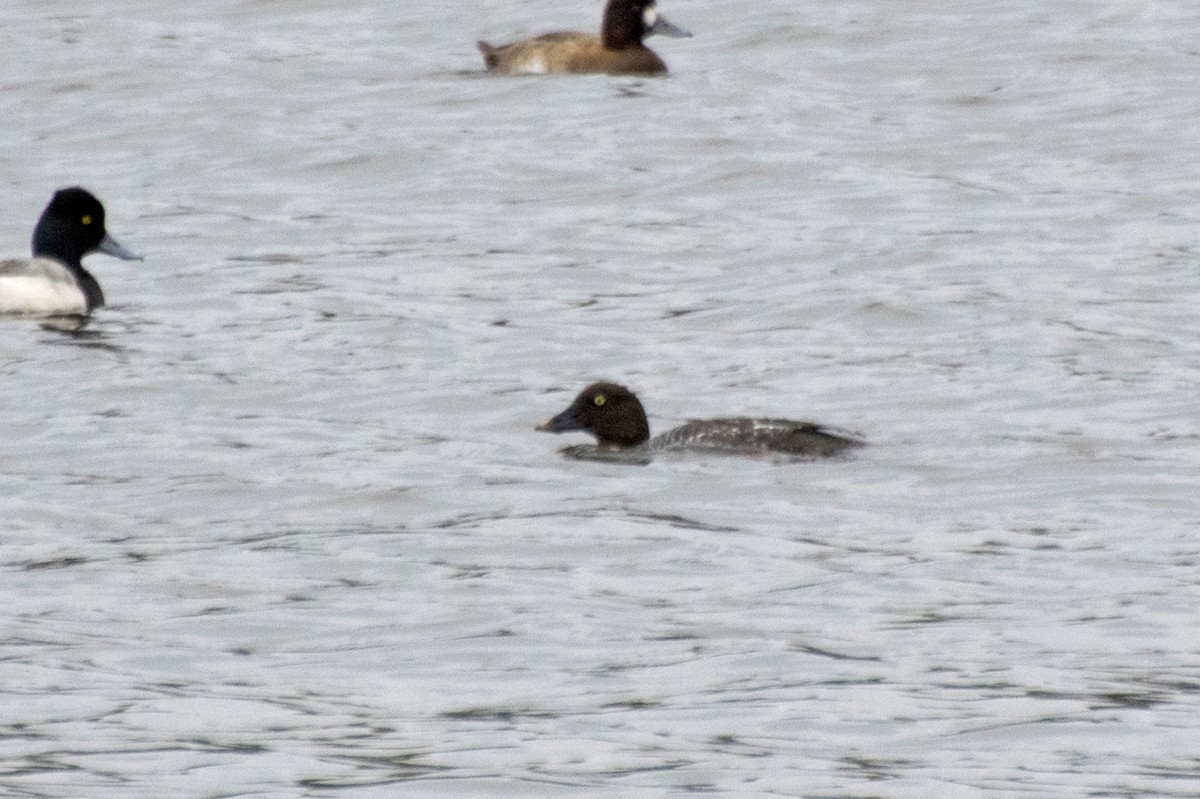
pixel 53 282
pixel 615 417
pixel 618 50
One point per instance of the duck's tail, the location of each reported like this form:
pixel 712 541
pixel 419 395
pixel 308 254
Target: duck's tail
pixel 489 53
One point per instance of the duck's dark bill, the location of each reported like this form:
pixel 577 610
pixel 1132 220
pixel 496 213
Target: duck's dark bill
pixel 562 423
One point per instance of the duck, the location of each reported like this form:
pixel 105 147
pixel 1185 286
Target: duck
pixel 618 50
pixel 614 416
pixel 53 282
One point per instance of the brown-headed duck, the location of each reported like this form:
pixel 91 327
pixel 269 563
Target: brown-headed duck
pixel 616 418
pixel 618 50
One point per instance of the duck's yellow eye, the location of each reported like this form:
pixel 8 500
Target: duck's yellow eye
pixel 87 219
pixel 599 400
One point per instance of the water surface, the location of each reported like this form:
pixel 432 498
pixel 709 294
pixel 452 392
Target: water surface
pixel 276 522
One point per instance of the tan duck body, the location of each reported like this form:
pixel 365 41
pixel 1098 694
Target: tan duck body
pixel 618 50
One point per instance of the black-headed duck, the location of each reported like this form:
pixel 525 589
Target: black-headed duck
pixel 618 50
pixel 53 282
pixel 615 417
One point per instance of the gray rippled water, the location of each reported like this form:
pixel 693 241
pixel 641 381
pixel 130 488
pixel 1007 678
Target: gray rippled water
pixel 276 522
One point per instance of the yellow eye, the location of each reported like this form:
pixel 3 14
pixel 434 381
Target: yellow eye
pixel 598 400
pixel 87 219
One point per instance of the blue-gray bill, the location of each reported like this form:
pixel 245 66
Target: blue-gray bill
pixel 110 246
pixel 663 27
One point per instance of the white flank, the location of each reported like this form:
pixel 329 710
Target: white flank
pixel 40 287
pixel 535 65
